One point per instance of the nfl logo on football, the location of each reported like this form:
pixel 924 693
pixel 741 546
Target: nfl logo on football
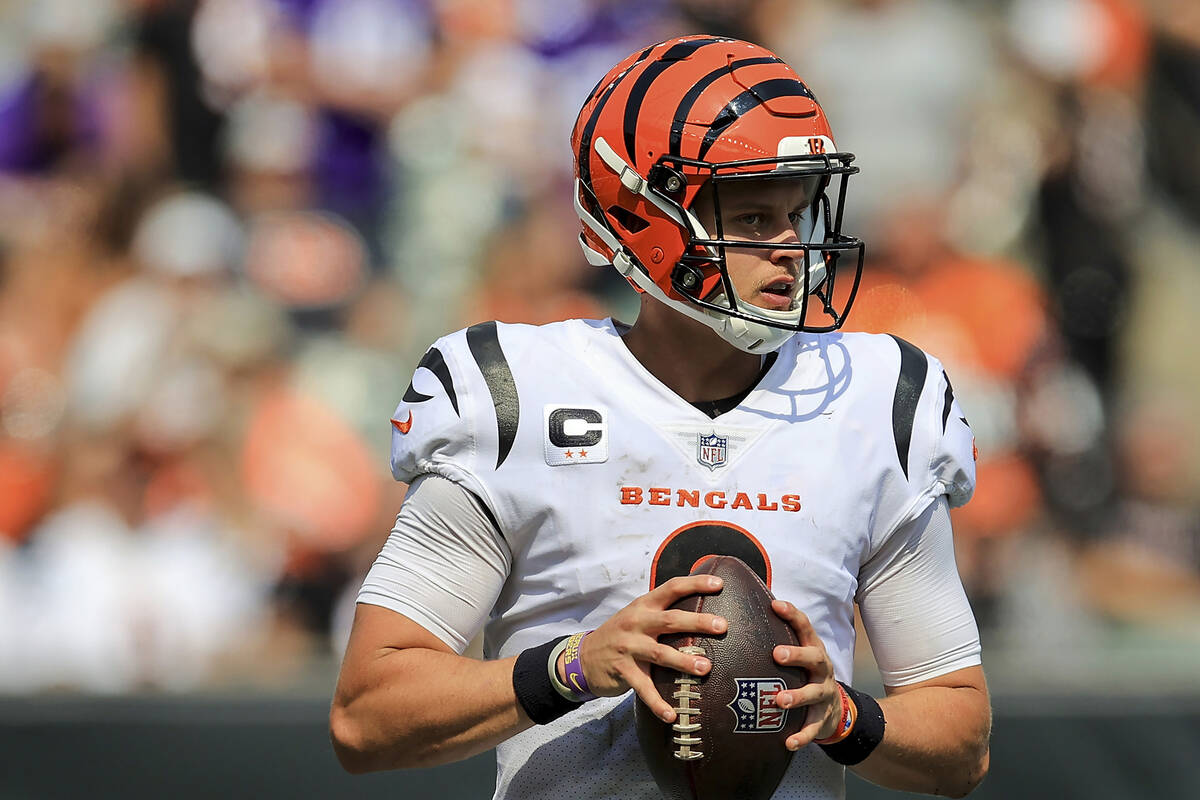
pixel 755 706
pixel 712 451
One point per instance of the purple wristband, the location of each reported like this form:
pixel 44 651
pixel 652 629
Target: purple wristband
pixel 574 668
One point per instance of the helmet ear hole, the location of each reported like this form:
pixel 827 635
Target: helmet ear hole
pixel 628 220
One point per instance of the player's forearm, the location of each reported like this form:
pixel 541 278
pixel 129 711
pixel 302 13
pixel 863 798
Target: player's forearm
pixel 417 707
pixel 935 742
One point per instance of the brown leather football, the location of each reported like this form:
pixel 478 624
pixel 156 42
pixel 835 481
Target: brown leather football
pixel 728 740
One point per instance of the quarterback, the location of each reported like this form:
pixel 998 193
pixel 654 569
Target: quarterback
pixel 564 478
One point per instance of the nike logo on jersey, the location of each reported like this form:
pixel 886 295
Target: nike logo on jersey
pixel 404 426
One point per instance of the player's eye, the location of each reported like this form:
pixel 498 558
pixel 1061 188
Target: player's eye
pixel 752 220
pixel 799 219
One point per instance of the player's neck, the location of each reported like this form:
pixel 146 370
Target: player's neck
pixel 688 357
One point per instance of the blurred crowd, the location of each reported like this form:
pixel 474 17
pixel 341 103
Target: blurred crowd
pixel 229 229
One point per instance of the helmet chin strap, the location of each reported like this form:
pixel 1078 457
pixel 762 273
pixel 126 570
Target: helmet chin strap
pixel 749 337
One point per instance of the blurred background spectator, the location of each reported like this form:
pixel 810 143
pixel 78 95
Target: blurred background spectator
pixel 229 228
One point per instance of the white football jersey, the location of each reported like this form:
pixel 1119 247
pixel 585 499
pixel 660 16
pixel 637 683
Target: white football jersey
pixel 602 480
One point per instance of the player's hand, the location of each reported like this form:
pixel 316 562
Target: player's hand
pixel 821 693
pixel 618 655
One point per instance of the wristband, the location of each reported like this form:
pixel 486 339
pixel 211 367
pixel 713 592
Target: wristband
pixel 865 734
pixel 533 685
pixel 849 713
pixel 576 682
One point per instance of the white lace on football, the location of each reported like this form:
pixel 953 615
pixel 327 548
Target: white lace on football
pixel 684 727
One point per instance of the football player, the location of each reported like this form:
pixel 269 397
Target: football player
pixel 564 478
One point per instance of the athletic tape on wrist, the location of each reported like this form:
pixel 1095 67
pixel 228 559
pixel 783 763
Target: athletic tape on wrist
pixel 865 734
pixel 533 685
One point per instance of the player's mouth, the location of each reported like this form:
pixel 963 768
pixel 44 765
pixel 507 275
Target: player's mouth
pixel 778 293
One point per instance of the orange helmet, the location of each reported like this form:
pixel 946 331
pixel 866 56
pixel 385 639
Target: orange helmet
pixel 700 110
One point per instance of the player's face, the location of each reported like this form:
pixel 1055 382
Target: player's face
pixel 770 210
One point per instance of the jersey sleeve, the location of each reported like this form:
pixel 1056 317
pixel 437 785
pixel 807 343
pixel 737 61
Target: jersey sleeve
pixel 437 426
pixel 934 446
pixel 951 465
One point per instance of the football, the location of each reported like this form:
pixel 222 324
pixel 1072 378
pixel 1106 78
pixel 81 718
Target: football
pixel 728 739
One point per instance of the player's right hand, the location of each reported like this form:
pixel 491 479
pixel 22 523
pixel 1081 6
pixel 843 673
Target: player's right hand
pixel 618 655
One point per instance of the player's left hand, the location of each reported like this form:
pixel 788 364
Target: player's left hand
pixel 821 693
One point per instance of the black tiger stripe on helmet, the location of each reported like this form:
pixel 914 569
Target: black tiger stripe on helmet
pixel 693 94
pixel 637 94
pixel 750 99
pixel 589 128
pixel 677 51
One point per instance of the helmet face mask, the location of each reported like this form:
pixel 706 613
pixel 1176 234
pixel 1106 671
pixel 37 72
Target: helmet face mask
pixel 750 123
pixel 817 306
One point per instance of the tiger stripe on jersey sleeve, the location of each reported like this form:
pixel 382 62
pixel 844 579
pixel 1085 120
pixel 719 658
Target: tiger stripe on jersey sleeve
pixel 914 367
pixel 435 363
pixel 947 401
pixel 952 461
pixel 484 344
pixel 932 444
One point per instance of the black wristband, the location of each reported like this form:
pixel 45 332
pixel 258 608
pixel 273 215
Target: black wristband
pixel 531 682
pixel 866 734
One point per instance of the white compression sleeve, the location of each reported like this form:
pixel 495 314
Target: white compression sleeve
pixel 444 563
pixel 913 605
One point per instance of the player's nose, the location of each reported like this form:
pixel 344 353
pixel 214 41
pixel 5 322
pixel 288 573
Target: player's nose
pixel 785 253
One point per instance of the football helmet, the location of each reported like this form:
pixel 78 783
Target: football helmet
pixel 699 111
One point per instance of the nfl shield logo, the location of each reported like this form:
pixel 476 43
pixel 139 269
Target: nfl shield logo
pixel 712 451
pixel 755 705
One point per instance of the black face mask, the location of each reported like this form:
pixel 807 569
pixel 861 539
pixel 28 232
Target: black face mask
pixel 826 306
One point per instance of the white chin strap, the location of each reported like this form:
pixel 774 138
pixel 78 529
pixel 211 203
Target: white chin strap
pixel 749 337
